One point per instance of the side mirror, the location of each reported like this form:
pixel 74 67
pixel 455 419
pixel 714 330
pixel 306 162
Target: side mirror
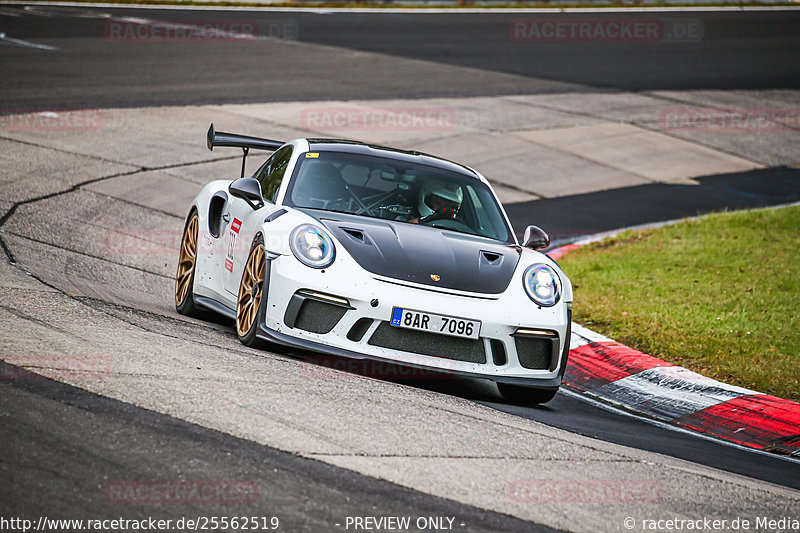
pixel 249 190
pixel 535 238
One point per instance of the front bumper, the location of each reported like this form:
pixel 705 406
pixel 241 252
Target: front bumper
pixel 358 307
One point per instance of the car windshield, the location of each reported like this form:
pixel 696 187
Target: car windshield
pixel 393 189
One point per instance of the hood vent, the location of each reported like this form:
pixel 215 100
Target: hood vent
pixel 355 234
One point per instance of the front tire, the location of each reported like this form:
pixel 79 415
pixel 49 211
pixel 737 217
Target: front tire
pixel 187 260
pixel 522 395
pixel 250 304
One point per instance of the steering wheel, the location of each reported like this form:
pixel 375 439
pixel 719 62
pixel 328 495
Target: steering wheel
pixel 318 203
pixel 444 213
pixel 453 224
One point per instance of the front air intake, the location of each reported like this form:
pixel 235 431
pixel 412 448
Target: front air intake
pixel 315 312
pixel 318 317
pixel 537 349
pixel 420 342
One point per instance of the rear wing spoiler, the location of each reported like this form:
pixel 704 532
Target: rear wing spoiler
pixel 245 142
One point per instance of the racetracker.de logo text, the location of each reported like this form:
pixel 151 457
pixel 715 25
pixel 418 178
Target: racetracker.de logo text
pixel 134 30
pixel 565 30
pixel 729 120
pixel 396 118
pixel 29 119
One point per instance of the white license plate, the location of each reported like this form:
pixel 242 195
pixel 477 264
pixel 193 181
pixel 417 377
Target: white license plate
pixel 433 323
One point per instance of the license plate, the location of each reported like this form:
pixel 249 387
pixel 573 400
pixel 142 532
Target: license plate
pixel 433 323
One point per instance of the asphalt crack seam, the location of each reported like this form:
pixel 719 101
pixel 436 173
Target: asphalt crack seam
pixel 135 204
pixel 98 305
pixel 24 316
pixel 87 302
pixel 645 126
pixel 68 152
pixel 137 236
pixel 587 159
pixel 8 214
pixel 538 195
pixel 86 254
pixel 715 107
pixel 36 467
pixel 505 425
pixel 73 188
pixel 441 456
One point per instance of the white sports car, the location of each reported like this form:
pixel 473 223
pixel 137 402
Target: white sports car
pixel 363 251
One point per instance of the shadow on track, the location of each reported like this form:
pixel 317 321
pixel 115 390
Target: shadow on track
pixel 569 217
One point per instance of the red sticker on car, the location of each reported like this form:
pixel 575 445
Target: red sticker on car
pixel 236 225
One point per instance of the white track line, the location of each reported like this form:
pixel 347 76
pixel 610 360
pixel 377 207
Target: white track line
pixel 200 31
pixel 19 42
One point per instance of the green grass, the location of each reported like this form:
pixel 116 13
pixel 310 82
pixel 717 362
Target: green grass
pixel 719 295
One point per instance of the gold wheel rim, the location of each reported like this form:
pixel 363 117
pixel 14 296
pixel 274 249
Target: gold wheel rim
pixel 250 291
pixel 186 261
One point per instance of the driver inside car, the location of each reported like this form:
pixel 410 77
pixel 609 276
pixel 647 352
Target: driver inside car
pixel 438 200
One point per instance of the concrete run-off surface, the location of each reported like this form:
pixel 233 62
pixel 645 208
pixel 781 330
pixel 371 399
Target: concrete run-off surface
pixel 105 245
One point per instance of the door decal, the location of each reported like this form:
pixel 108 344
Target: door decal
pixel 232 233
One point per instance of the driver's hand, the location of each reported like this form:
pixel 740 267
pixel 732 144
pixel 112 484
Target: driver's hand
pixel 439 214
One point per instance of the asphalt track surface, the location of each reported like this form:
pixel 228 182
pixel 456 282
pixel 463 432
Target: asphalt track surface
pixel 113 74
pixel 755 50
pixel 50 465
pixel 569 217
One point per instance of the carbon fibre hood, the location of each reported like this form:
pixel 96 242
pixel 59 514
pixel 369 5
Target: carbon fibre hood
pixel 421 254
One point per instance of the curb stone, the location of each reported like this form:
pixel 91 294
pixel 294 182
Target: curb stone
pixel 616 374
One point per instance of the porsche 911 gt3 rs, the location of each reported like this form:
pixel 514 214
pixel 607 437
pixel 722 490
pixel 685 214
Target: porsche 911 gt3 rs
pixel 362 251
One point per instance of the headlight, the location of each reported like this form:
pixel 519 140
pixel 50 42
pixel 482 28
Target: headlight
pixel 542 285
pixel 312 246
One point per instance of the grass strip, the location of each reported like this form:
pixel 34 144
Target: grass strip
pixel 719 295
